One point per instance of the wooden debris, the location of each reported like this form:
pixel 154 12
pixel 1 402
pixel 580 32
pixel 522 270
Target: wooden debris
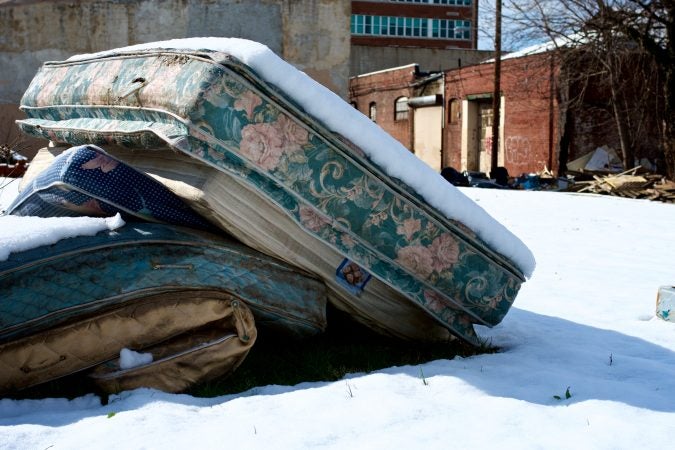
pixel 628 184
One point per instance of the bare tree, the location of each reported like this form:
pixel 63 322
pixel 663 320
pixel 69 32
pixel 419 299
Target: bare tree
pixel 515 36
pixel 625 44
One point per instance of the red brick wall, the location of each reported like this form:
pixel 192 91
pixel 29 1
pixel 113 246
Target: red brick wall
pixel 593 128
pixel 530 113
pixel 384 88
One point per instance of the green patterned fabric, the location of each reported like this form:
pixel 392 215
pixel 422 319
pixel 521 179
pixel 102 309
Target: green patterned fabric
pixel 213 108
pixel 64 282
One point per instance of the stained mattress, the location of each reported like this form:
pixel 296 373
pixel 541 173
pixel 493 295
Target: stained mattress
pixel 253 220
pixel 215 109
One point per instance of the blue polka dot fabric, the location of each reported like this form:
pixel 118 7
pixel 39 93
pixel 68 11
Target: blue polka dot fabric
pixel 87 181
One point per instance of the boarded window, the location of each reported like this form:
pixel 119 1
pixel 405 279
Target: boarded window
pixel 401 109
pixel 453 111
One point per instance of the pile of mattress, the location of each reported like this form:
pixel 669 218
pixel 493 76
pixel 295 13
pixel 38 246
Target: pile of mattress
pixel 244 156
pixel 190 298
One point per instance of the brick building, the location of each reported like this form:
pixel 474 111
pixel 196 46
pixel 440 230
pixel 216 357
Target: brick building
pixel 436 34
pixel 529 115
pixel 448 121
pixel 546 119
pixel 407 103
pixel 552 112
pixel 455 107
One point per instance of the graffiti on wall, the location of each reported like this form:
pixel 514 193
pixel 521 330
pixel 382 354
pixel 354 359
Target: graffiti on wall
pixel 487 144
pixel 517 149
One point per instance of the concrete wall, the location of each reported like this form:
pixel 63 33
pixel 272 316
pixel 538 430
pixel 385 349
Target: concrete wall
pixel 311 34
pixel 366 59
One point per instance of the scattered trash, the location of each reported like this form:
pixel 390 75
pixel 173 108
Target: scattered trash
pixel 636 183
pixel 455 177
pixel 477 179
pixel 12 163
pixel 529 182
pixel 665 303
pixel 500 176
pixel 630 185
pixel 481 180
pixel 602 159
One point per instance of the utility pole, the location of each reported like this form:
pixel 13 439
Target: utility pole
pixel 496 96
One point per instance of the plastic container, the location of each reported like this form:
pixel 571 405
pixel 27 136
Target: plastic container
pixel 665 303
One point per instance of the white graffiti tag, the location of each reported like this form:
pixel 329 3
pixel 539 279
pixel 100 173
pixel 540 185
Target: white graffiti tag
pixel 517 149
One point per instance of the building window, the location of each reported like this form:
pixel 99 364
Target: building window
pixel 412 27
pixel 354 105
pixel 372 111
pixel 453 111
pixel 401 109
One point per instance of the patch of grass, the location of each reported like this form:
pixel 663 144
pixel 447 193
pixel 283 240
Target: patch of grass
pixel 345 347
pixel 568 395
pixel 424 380
pixel 70 387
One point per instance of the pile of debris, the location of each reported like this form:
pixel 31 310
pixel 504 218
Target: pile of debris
pixel 12 163
pixel 629 184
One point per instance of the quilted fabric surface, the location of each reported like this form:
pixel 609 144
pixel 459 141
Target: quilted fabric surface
pixel 85 180
pixel 217 110
pixel 43 287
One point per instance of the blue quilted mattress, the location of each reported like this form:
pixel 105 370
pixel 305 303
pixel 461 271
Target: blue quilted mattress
pixel 87 181
pixel 76 304
pixel 55 284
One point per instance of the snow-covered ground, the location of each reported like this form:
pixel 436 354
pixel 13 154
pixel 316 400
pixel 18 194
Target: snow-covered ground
pixel 584 321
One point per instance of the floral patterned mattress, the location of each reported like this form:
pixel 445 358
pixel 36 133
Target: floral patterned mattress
pixel 212 107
